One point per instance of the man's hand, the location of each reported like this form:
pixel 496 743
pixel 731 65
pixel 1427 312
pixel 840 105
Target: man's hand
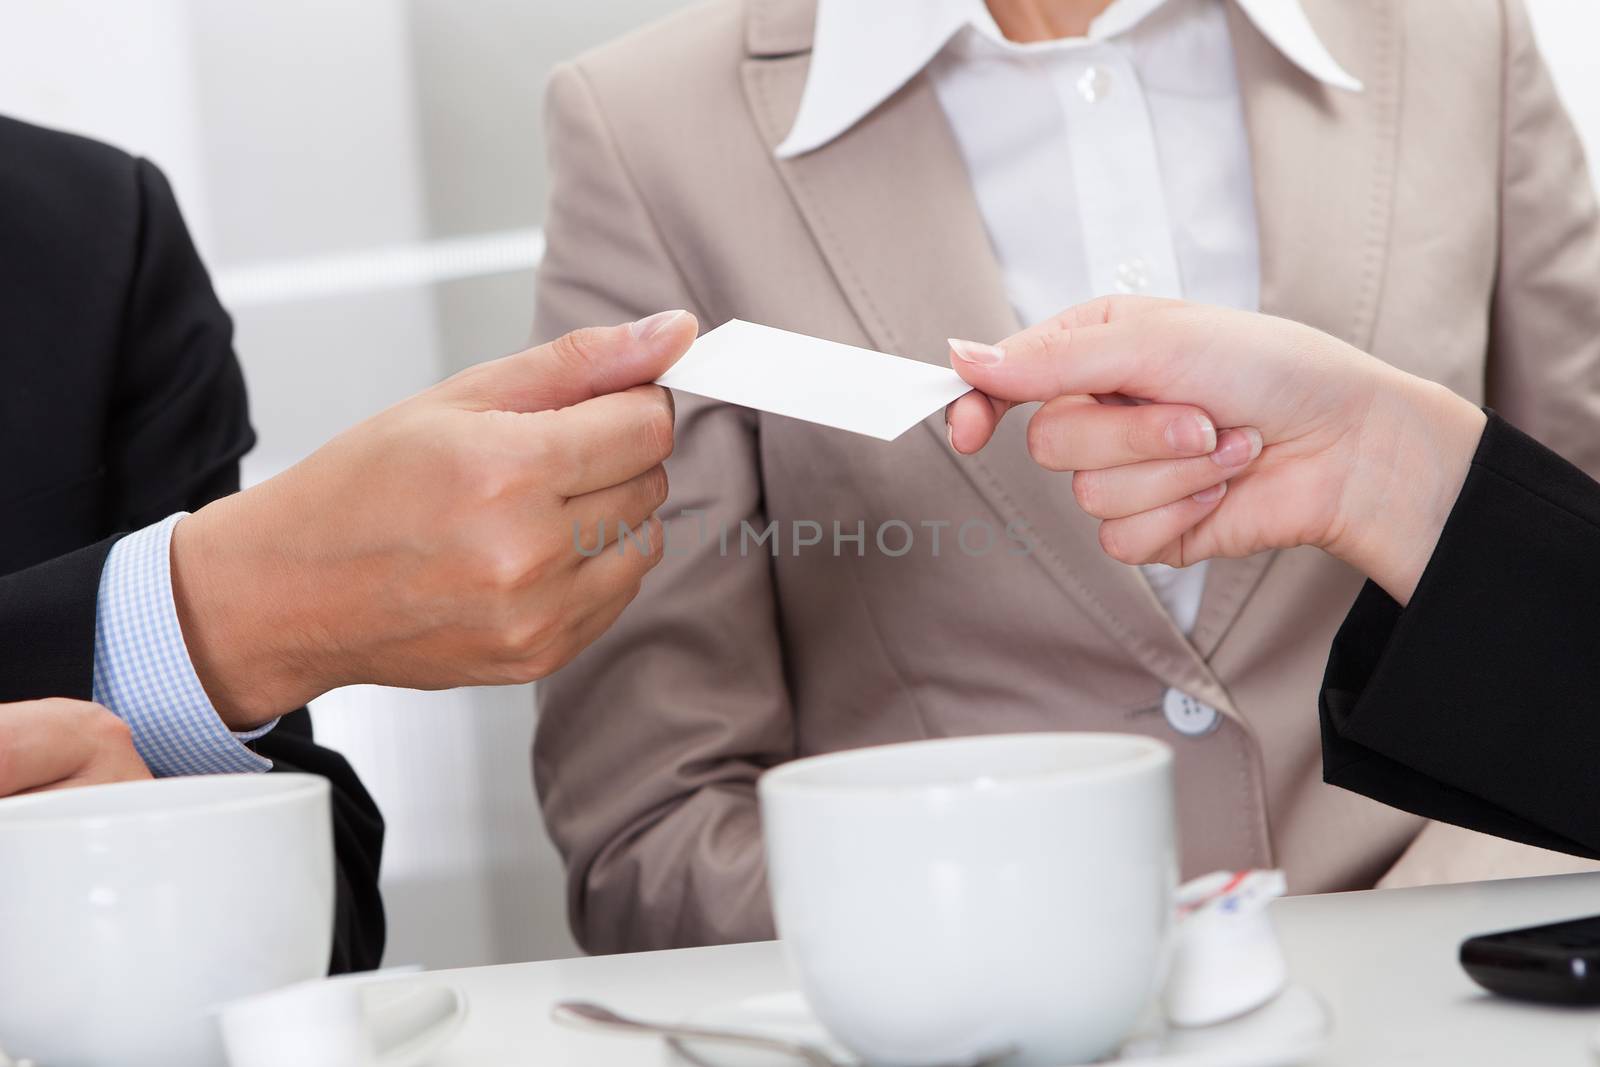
pixel 58 743
pixel 450 540
pixel 1328 447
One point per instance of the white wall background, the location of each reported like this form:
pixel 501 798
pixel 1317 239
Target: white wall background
pixel 365 179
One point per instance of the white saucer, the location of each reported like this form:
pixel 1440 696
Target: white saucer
pixel 1287 1031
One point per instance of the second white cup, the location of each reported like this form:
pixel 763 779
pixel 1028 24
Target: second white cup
pixel 129 911
pixel 947 900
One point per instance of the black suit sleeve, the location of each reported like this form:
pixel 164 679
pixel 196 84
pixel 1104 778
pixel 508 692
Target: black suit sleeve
pixel 357 840
pixel 168 400
pixel 47 626
pixel 173 422
pixel 172 418
pixel 1478 704
pixel 179 421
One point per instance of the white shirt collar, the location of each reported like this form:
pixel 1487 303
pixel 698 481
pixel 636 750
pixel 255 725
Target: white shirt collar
pixel 865 50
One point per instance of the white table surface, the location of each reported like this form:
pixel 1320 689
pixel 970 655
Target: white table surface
pixel 1384 961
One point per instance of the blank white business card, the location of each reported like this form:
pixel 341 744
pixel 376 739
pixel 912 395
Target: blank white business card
pixel 802 377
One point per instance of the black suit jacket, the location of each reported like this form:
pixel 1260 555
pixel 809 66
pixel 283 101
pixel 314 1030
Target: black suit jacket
pixel 1479 703
pixel 121 402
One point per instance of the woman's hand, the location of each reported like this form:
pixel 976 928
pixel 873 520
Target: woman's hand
pixel 1327 447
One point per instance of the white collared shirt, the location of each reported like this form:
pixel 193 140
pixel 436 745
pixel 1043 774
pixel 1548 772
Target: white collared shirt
pixel 1113 162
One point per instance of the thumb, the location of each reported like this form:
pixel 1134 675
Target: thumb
pixel 578 366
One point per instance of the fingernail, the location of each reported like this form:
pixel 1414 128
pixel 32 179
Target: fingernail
pixel 1191 434
pixel 1212 495
pixel 973 352
pixel 1235 448
pixel 651 325
pixel 950 433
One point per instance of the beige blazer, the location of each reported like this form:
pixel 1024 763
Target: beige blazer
pixel 1442 219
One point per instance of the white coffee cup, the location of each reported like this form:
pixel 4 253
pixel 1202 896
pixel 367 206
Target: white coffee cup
pixel 947 900
pixel 128 911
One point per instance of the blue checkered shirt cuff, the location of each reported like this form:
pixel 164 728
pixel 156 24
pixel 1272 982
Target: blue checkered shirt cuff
pixel 142 670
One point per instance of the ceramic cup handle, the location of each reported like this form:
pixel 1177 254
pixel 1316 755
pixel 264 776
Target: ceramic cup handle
pixel 409 1026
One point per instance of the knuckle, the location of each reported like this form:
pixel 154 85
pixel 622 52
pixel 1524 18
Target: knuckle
pixel 544 631
pixel 657 547
pixel 504 565
pixel 657 487
pixel 575 349
pixel 1089 492
pixel 656 428
pixel 637 552
pixel 487 482
pixel 543 561
pixel 528 638
pixel 544 663
pixel 473 469
pixel 1044 441
pixel 1114 544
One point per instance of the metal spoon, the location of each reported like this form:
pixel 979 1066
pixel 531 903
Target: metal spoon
pixel 593 1016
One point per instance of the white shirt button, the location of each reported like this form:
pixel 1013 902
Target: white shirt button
pixel 1188 716
pixel 1133 276
pixel 1094 84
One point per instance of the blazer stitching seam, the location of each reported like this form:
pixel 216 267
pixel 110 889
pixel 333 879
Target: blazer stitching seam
pixel 1048 549
pixel 1249 768
pixel 1111 618
pixel 840 267
pixel 832 250
pixel 1502 165
pixel 1382 192
pixel 1232 603
pixel 856 290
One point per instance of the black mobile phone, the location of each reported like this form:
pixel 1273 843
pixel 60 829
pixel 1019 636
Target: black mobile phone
pixel 1558 963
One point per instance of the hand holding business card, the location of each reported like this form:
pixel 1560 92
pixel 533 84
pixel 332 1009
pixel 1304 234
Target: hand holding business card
pixel 803 377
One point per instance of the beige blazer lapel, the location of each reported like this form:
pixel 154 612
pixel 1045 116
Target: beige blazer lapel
pixel 1324 165
pixel 910 253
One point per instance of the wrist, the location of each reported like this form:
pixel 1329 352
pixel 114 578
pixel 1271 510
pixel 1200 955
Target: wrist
pixel 1415 449
pixel 241 621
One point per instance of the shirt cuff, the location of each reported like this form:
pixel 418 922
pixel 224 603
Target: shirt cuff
pixel 142 670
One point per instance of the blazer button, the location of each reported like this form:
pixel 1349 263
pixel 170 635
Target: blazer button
pixel 1187 715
